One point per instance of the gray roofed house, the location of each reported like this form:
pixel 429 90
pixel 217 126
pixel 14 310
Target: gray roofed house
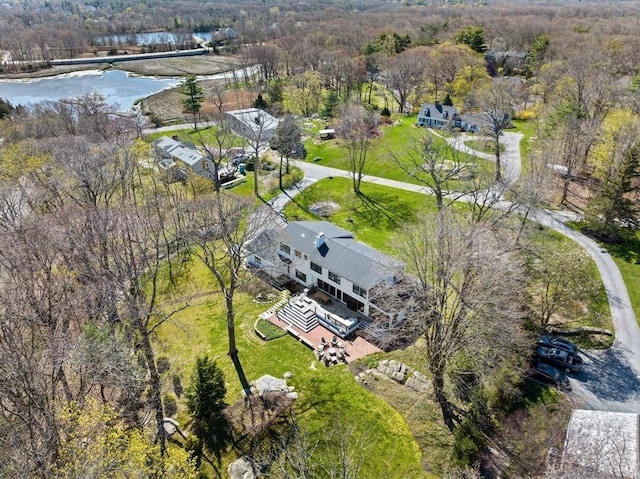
pixel 322 255
pixel 171 153
pixel 252 123
pixel 341 253
pixel 437 115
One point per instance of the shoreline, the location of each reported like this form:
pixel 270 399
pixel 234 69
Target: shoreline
pixel 167 67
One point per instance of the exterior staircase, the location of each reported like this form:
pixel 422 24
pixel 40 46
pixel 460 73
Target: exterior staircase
pixel 298 313
pixel 282 300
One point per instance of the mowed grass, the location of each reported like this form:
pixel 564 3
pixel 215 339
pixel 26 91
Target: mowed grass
pixel 529 130
pixel 627 257
pixel 395 143
pixel 324 393
pixel 374 217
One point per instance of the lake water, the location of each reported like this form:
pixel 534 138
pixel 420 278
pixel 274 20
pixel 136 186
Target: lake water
pixel 120 89
pixel 155 38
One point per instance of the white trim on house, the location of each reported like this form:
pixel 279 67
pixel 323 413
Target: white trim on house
pixel 322 255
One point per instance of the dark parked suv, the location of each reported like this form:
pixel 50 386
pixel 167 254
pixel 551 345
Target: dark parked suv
pixel 550 375
pixel 559 358
pixel 550 341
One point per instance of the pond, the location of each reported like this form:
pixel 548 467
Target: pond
pixel 154 38
pixel 120 89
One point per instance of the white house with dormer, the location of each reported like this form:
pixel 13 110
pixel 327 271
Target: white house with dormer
pixel 319 254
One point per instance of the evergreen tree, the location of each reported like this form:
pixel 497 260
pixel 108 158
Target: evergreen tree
pixel 5 108
pixel 610 209
pixel 205 401
pixel 260 102
pixel 194 97
pixel 287 140
pixel 473 37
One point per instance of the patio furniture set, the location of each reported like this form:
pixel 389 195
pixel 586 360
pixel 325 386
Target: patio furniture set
pixel 331 352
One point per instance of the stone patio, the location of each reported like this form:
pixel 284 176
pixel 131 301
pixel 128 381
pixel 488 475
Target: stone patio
pixel 356 348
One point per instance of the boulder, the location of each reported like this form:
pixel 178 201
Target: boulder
pixel 242 469
pixel 418 382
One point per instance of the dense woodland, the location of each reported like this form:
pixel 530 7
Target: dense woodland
pixel 94 246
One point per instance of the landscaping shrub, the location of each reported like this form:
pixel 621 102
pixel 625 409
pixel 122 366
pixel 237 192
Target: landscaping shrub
pixel 471 436
pixel 524 115
pixel 163 365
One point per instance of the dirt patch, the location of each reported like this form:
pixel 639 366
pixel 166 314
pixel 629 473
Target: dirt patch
pixel 324 208
pixel 167 108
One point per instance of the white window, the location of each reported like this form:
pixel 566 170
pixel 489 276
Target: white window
pixel 359 291
pixel 285 248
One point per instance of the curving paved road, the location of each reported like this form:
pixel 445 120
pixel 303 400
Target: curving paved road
pixel 610 379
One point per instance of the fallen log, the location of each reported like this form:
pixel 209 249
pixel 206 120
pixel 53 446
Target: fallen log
pixel 580 330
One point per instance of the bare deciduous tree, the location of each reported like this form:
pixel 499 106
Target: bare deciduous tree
pixel 438 166
pixel 461 293
pixel 405 71
pixel 358 128
pixel 219 229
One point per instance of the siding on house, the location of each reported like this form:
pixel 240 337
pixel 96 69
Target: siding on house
pixel 252 123
pixel 320 254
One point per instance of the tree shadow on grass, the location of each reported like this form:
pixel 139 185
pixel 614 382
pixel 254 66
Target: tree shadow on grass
pixel 628 250
pixel 241 376
pixel 384 210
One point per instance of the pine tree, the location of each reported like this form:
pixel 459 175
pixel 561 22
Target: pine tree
pixel 194 97
pixel 205 401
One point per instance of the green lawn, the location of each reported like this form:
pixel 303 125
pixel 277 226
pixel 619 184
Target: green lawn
pixel 374 218
pixel 627 257
pixel 529 130
pixel 325 393
pixel 484 145
pixel 397 139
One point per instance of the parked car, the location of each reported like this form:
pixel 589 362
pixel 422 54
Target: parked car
pixel 265 165
pixel 551 375
pixel 560 358
pixel 550 341
pixel 236 160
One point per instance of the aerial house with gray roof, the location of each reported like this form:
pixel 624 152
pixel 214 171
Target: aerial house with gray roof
pixel 319 254
pixel 252 124
pixel 171 153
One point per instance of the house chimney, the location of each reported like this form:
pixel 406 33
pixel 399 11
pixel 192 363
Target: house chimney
pixel 319 241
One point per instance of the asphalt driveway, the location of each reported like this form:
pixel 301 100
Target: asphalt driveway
pixel 610 380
